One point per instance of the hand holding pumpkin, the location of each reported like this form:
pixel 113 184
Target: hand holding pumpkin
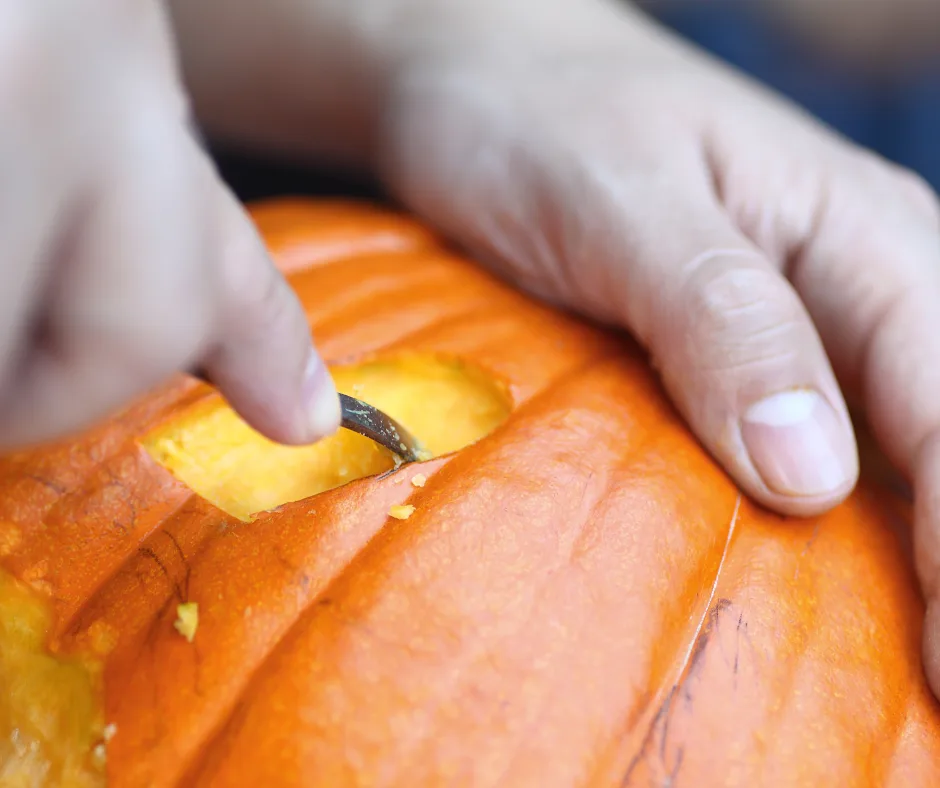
pixel 125 259
pixel 769 267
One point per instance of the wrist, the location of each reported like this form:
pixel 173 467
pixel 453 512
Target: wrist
pixel 316 78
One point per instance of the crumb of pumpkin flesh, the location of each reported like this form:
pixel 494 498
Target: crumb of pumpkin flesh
pixel 100 752
pixel 402 511
pixel 187 620
pixel 444 403
pixel 419 480
pixel 51 705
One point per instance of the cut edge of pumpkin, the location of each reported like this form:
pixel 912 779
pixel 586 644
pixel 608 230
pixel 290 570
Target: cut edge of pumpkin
pixel 52 729
pixel 445 402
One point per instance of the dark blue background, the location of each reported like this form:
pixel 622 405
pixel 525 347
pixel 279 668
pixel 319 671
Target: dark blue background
pixel 900 119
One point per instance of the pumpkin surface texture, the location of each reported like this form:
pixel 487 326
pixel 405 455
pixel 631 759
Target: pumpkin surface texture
pixel 570 592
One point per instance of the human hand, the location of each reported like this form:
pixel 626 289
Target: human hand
pixel 769 266
pixel 126 259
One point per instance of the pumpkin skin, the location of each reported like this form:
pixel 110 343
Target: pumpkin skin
pixel 581 597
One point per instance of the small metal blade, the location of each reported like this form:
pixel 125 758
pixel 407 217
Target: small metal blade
pixel 370 422
pixel 361 417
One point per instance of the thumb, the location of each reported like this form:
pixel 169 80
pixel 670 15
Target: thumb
pixel 263 360
pixel 640 240
pixel 741 358
pixel 735 347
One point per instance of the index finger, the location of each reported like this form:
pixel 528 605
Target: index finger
pixel 870 278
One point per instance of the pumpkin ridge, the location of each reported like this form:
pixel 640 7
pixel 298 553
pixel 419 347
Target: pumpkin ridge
pixel 73 626
pixel 366 287
pixel 390 286
pixel 589 771
pixel 561 596
pixel 65 491
pixel 329 217
pixel 555 688
pixel 882 767
pixel 663 698
pixel 341 586
pixel 158 623
pixel 190 772
pixel 908 728
pixel 374 346
pixel 218 741
pixel 418 334
pixel 593 773
pixel 898 710
pixel 378 307
pixel 176 585
pixel 65 625
pixel 57 515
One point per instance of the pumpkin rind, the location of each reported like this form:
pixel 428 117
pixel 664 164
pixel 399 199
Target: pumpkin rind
pixel 580 598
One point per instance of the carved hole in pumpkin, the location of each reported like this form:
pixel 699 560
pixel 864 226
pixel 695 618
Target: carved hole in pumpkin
pixel 445 403
pixel 50 708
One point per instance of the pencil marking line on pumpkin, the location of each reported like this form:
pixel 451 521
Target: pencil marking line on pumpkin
pixel 149 552
pixel 81 487
pixel 50 485
pixel 693 653
pixel 123 566
pixel 186 567
pixel 809 546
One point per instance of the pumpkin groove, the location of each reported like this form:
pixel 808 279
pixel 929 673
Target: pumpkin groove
pixel 459 476
pixel 257 553
pixel 567 605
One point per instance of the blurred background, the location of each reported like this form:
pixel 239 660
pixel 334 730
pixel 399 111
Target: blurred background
pixel 869 68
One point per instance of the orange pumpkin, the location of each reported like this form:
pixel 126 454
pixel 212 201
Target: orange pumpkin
pixel 579 596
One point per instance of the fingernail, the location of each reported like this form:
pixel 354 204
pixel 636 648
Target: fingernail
pixel 321 403
pixel 799 445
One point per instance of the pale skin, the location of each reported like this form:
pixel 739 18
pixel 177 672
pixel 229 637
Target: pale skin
pixel 772 270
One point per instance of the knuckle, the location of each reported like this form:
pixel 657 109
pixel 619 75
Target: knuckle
pixel 741 317
pixel 919 193
pixel 880 176
pixel 723 300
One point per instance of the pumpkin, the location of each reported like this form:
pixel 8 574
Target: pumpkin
pixel 570 592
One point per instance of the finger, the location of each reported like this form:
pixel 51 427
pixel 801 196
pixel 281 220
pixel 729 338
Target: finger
pixel 35 168
pixel 63 125
pixel 262 358
pixel 738 353
pixel 644 243
pixel 130 299
pixel 871 278
pixel 30 227
pixel 142 296
pixel 159 269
